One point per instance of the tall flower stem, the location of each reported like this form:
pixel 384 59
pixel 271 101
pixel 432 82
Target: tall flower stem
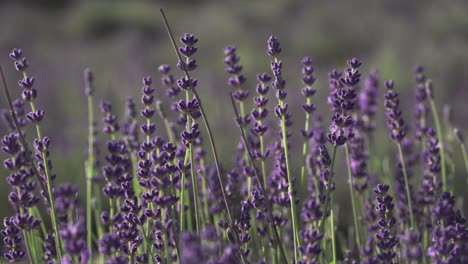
pixel 305 144
pixel 408 193
pixel 90 173
pixel 290 188
pixel 353 199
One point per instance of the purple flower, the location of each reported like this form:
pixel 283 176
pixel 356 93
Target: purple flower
pixel 386 239
pixel 368 102
pixel 12 240
pixel 395 121
pixel 343 99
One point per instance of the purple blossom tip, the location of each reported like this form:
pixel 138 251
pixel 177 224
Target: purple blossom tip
pixel 164 68
pixel 229 50
pixel 189 39
pixel 354 63
pixel 389 84
pixel 274 48
pixel 16 54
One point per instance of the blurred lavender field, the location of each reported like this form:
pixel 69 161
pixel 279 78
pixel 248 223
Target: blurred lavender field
pixel 125 40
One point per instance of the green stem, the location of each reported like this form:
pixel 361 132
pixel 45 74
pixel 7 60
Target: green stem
pixel 90 174
pixel 290 189
pixel 304 151
pixel 206 209
pixel 353 200
pixel 182 196
pixel 408 193
pixel 441 140
pixel 195 190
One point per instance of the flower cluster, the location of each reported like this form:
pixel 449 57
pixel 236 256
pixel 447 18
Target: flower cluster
pixel 156 195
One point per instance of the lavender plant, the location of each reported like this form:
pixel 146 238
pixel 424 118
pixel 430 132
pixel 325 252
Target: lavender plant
pixel 157 196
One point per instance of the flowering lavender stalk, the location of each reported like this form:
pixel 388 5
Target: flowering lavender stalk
pixel 386 240
pixel 281 111
pixel 259 114
pixel 351 80
pixel 36 115
pixel 22 198
pixel 236 81
pixel 435 115
pixel 192 110
pixel 397 125
pixel 308 91
pixel 343 99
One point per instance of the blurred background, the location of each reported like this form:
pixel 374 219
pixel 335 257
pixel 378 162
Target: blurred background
pixel 122 41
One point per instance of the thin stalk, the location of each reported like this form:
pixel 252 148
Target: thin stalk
pixel 206 210
pixel 162 114
pixel 441 140
pixel 264 193
pixel 353 200
pixel 408 193
pixel 111 214
pixel 34 211
pixel 290 187
pixel 195 190
pixel 304 150
pixel 182 196
pixel 90 174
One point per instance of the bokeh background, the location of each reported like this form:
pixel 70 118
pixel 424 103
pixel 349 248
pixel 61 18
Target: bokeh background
pixel 122 41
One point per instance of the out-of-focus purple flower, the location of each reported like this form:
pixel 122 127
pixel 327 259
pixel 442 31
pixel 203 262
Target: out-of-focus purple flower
pixel 88 79
pixel 450 235
pixel 111 125
pixel 411 242
pixel 368 102
pixel 12 240
pixel 421 108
